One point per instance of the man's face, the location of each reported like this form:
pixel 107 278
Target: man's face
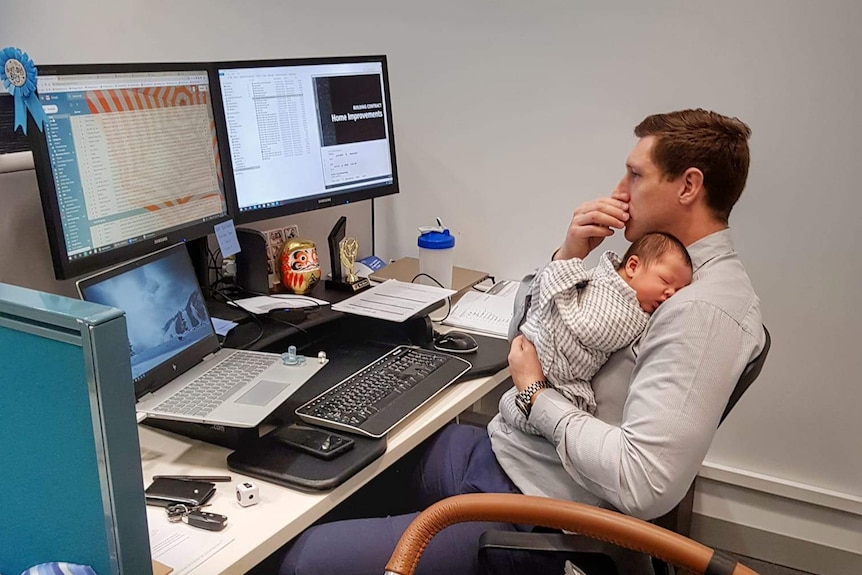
pixel 652 200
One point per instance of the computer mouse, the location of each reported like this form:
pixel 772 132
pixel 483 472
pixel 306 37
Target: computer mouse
pixel 456 342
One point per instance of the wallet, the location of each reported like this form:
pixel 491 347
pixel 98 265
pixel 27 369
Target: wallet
pixel 165 491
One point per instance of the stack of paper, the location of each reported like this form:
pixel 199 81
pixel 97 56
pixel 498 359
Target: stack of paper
pixel 488 313
pixel 180 547
pixel 394 301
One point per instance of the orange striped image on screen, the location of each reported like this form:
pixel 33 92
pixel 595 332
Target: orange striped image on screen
pixel 129 99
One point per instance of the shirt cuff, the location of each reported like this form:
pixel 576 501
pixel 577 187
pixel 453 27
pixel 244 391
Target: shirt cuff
pixel 549 408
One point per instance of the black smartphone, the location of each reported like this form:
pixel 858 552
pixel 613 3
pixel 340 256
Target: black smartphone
pixel 318 442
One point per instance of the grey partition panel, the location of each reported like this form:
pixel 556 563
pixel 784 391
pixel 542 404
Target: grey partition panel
pixel 71 487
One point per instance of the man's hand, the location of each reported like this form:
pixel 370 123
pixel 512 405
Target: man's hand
pixel 592 223
pixel 524 365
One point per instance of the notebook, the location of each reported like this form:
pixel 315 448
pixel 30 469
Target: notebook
pixel 180 371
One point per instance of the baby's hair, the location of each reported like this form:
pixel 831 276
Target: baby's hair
pixel 652 246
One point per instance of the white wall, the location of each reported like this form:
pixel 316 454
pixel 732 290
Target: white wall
pixel 508 114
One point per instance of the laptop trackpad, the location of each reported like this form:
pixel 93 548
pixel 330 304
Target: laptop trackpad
pixel 262 393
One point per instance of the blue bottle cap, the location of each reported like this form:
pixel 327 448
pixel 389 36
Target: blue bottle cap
pixel 437 240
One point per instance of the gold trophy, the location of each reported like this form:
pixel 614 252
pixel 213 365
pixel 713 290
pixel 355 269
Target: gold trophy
pixel 347 250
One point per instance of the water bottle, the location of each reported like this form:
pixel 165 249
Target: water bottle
pixel 436 255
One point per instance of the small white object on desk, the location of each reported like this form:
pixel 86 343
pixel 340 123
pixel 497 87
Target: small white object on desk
pixel 247 493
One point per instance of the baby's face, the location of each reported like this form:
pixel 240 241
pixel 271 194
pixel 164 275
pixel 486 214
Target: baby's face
pixel 659 280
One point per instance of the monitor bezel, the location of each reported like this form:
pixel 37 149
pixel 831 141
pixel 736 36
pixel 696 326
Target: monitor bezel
pixel 318 201
pixel 64 268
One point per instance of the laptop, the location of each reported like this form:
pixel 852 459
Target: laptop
pixel 179 369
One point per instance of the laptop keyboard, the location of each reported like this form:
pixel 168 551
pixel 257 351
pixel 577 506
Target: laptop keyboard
pixel 204 394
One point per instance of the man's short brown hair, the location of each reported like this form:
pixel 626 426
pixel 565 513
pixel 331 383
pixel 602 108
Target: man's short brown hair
pixel 716 145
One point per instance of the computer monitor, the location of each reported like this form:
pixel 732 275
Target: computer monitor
pixel 305 134
pixel 128 161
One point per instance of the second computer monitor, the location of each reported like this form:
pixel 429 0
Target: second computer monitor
pixel 306 134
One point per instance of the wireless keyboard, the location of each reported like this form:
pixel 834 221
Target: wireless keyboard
pixel 379 396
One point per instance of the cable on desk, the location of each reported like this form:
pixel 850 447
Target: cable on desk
pixel 214 266
pixel 251 315
pixel 285 322
pixel 448 298
pixel 316 305
pixel 372 227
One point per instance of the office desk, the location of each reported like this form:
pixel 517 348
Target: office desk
pixel 283 513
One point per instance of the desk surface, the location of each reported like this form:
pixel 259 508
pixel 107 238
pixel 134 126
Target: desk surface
pixel 283 513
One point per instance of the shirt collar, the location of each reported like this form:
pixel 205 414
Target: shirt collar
pixel 710 247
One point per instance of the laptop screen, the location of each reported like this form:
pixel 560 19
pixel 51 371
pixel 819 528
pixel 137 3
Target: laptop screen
pixel 166 315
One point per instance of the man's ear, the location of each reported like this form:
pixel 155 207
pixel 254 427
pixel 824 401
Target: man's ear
pixel 631 266
pixel 692 186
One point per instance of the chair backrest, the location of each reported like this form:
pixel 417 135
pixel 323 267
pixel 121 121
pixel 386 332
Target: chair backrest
pixel 678 519
pixel 749 374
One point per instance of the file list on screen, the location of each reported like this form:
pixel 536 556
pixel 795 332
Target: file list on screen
pixel 300 131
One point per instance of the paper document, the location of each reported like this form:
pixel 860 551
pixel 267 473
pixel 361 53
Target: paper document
pixel 505 288
pixel 222 326
pixel 393 300
pixel 266 303
pixel 182 547
pixel 483 312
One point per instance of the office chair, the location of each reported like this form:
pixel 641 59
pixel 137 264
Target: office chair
pixel 601 524
pixel 677 520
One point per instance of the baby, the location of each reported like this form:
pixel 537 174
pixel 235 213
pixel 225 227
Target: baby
pixel 577 317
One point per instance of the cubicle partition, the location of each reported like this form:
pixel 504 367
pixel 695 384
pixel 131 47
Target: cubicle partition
pixel 71 487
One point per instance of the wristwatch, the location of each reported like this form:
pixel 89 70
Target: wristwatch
pixel 524 398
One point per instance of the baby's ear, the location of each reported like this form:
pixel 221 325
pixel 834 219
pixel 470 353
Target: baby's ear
pixel 631 266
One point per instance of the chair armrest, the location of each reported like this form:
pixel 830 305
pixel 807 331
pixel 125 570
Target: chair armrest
pixel 596 523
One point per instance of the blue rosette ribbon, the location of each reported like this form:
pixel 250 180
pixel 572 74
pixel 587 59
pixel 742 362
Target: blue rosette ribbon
pixel 19 74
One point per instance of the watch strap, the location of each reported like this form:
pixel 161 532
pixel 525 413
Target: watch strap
pixel 525 396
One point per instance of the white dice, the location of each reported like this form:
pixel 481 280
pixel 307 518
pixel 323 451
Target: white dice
pixel 247 493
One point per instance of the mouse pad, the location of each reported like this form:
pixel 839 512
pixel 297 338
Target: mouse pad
pixel 272 460
pixel 491 356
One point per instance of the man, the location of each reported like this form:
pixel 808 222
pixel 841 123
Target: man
pixel 659 400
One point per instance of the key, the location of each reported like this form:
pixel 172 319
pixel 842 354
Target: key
pixel 176 512
pixel 205 520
